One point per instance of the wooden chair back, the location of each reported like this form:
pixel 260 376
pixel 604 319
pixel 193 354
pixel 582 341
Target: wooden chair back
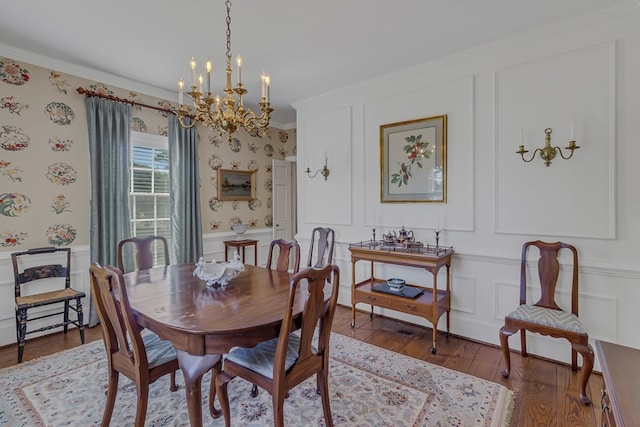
pixel 285 250
pixel 548 273
pixel 143 252
pixel 121 333
pixel 318 312
pixel 323 241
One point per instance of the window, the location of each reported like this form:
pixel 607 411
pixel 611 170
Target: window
pixel 149 189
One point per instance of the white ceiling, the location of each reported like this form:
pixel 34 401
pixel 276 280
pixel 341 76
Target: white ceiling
pixel 307 47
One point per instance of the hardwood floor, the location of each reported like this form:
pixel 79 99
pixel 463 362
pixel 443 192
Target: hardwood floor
pixel 547 393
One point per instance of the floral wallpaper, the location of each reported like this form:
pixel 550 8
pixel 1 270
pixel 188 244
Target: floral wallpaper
pixel 44 168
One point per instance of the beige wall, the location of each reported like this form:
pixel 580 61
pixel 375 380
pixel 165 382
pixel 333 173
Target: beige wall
pixel 44 159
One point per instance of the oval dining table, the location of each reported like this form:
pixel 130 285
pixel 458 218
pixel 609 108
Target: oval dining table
pixel 204 321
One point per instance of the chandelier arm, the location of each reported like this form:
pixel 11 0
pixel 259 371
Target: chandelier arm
pixel 186 126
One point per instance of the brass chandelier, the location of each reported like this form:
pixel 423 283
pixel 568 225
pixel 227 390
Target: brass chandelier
pixel 226 114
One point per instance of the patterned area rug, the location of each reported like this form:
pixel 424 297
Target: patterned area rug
pixel 369 386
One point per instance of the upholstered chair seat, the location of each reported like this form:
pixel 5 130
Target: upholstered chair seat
pixel 260 358
pixel 557 319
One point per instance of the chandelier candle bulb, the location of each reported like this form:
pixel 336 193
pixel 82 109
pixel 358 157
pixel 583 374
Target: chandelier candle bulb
pixel 209 69
pixel 239 63
pixel 192 63
pixel 267 81
pixel 181 92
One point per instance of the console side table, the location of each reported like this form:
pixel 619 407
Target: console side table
pixel 241 244
pixel 431 304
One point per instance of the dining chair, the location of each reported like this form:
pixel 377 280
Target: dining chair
pixel 284 254
pixel 142 358
pixel 280 364
pixel 144 252
pixel 33 269
pixel 545 317
pixel 322 240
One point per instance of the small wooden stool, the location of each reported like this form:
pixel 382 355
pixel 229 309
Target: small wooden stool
pixel 241 244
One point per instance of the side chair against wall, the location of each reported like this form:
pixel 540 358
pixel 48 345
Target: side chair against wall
pixel 143 251
pixel 29 275
pixel 323 241
pixel 283 261
pixel 545 317
pixel 143 359
pixel 280 364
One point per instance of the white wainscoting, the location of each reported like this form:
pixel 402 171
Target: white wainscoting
pixel 485 288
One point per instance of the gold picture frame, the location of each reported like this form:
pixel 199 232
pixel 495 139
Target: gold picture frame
pixel 413 161
pixel 236 184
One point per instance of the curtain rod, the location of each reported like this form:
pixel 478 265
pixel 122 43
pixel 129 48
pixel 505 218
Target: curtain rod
pixel 88 93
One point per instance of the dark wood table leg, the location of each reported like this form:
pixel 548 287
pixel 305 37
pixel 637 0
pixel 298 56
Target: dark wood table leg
pixel 193 367
pixel 255 254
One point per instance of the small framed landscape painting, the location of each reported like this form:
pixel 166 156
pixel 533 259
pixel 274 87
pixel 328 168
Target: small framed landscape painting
pixel 413 161
pixel 236 185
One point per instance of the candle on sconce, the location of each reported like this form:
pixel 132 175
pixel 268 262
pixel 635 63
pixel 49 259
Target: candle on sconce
pixel 573 131
pixel 521 137
pixel 438 223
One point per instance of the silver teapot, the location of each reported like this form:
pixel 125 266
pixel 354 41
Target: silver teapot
pixel 405 236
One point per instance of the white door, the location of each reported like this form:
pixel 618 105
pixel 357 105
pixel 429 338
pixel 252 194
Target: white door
pixel 282 199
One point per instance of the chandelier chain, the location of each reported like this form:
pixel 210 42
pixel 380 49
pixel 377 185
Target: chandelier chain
pixel 228 4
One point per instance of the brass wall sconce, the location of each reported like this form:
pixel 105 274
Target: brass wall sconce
pixel 324 171
pixel 548 153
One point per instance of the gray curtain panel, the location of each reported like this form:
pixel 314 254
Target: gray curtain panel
pixel 109 126
pixel 186 223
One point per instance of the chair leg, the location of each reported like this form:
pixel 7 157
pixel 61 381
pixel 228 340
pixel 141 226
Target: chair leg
pixel 143 400
pixel 215 371
pixel 278 408
pixel 80 318
pixel 21 320
pixel 323 387
pixel 523 342
pixel 574 359
pixel 587 366
pixel 506 353
pixel 66 316
pixel 173 386
pixel 222 381
pixel 112 390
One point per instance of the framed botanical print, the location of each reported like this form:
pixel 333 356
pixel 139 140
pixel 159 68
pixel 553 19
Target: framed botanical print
pixel 236 185
pixel 413 161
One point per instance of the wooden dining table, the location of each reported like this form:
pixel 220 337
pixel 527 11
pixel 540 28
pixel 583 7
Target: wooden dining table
pixel 204 321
